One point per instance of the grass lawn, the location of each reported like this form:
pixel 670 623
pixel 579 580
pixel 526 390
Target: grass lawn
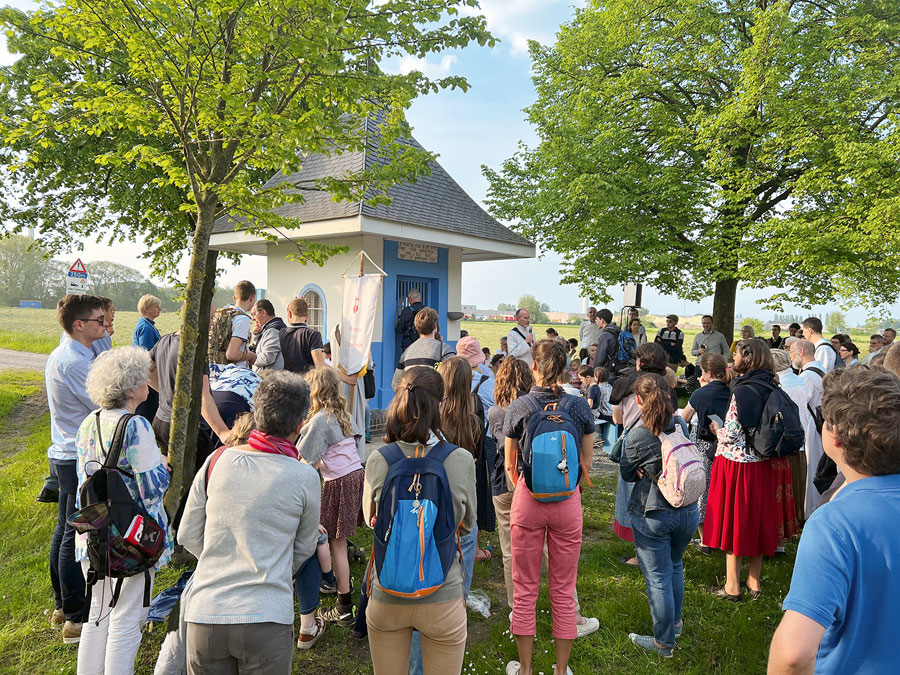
pixel 719 637
pixel 36 330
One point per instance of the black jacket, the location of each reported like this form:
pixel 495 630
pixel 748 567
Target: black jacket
pixel 607 345
pixel 406 324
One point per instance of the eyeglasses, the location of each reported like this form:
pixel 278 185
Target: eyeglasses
pixel 101 321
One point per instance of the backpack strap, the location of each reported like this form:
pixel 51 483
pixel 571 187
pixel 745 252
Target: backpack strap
pixel 566 401
pixel 392 453
pixel 441 451
pixel 817 371
pixel 484 378
pixel 118 440
pixel 524 337
pixel 532 402
pixel 212 464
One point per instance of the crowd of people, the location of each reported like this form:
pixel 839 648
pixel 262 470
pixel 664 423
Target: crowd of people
pixel 786 433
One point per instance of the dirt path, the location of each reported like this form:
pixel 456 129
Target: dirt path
pixel 13 360
pixel 20 421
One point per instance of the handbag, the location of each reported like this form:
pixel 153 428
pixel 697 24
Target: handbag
pixel 369 383
pixel 616 453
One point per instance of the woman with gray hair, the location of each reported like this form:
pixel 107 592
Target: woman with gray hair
pixel 117 382
pixel 251 518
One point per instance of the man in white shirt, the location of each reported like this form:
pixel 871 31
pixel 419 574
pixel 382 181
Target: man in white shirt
pixel 521 338
pixel 876 346
pixel 825 354
pixel 811 372
pixel 589 332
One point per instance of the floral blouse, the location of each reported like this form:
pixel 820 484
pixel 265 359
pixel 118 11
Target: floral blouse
pixel 140 457
pixel 733 441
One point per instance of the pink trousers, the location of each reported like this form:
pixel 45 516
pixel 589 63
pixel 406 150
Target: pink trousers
pixel 530 522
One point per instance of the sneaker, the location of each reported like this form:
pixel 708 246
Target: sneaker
pixel 71 633
pixel 57 619
pixel 342 615
pixel 568 670
pixel 591 625
pixel 679 629
pixel 306 640
pixel 327 589
pixel 368 437
pixel 513 668
pixel 647 642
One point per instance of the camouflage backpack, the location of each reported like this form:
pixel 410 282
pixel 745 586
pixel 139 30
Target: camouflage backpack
pixel 220 330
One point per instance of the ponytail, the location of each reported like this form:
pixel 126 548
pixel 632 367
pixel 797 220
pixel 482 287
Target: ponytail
pixel 550 361
pixel 656 402
pixel 715 365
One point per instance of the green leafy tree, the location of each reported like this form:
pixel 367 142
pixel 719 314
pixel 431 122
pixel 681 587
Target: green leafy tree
pixel 26 273
pixel 505 307
pixel 759 328
pixel 122 284
pixel 575 319
pixel 835 322
pixel 202 100
pixel 533 306
pixel 711 144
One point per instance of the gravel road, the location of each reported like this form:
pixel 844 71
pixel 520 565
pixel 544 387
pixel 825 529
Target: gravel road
pixel 11 359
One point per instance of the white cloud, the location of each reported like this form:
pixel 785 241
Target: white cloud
pixel 516 22
pixel 441 69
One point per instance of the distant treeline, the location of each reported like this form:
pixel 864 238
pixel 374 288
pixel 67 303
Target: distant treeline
pixel 26 275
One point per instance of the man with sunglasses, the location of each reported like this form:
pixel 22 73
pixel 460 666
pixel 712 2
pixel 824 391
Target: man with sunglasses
pixel 83 319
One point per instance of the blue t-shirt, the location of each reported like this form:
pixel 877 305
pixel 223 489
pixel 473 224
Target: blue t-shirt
pixel 593 394
pixel 847 577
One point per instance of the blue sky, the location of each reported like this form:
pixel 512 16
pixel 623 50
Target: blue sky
pixel 483 126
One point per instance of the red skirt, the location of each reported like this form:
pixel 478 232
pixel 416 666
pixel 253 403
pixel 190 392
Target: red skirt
pixel 750 508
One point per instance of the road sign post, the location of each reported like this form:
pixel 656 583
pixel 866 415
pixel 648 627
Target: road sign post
pixel 76 279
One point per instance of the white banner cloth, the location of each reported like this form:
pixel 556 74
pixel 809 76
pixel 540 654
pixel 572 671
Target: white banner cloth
pixel 361 295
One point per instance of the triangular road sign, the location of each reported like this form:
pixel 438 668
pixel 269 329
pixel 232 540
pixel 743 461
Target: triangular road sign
pixel 78 267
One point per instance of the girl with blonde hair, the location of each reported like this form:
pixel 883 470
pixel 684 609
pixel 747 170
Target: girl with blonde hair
pixel 328 443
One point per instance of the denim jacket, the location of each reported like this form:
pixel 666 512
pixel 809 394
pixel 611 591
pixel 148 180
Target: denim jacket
pixel 644 450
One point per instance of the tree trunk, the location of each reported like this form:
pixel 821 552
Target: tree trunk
pixel 194 334
pixel 723 307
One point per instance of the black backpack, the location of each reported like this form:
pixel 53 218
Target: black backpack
pixel 779 432
pixel 123 538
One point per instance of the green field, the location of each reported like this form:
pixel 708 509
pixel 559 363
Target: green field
pixel 719 637
pixel 36 330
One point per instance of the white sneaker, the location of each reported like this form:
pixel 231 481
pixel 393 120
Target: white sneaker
pixel 592 625
pixel 513 668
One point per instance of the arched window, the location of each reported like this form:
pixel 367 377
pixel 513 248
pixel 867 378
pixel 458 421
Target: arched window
pixel 315 298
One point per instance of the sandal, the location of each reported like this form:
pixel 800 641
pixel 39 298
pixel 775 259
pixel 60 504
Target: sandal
pixel 307 640
pixel 753 594
pixel 482 554
pixel 626 560
pixel 720 592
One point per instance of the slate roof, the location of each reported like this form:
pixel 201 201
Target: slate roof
pixel 434 201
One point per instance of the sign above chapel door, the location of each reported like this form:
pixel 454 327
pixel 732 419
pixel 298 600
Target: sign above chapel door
pixel 417 252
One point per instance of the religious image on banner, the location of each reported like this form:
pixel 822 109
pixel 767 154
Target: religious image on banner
pixel 361 295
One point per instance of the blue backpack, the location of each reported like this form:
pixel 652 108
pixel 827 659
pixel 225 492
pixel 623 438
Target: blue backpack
pixel 627 347
pixel 550 451
pixel 416 537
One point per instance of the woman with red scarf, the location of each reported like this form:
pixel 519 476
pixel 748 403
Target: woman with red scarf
pixel 252 518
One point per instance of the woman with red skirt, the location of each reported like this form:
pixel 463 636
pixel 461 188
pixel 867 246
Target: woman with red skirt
pixel 750 508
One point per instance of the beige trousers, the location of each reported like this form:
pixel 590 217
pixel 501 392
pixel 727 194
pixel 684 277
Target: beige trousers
pixel 443 629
